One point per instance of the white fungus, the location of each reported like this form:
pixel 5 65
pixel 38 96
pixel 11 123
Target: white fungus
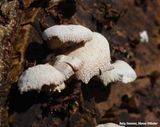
pixel 144 36
pixel 74 62
pixel 122 72
pixel 87 61
pixel 95 55
pixel 66 35
pixel 109 125
pixel 64 68
pixel 37 76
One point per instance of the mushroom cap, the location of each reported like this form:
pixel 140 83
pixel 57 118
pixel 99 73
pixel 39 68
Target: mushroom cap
pixel 66 35
pixel 95 55
pixel 37 76
pixel 109 125
pixel 122 72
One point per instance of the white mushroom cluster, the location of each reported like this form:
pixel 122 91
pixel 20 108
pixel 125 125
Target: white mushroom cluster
pixel 85 61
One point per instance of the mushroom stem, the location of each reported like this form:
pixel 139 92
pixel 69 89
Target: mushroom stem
pixel 64 69
pixel 121 71
pixel 74 62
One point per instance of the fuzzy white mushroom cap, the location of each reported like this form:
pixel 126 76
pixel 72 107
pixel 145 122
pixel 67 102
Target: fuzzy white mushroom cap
pixel 74 62
pixel 122 72
pixel 37 76
pixel 95 55
pixel 109 125
pixel 68 33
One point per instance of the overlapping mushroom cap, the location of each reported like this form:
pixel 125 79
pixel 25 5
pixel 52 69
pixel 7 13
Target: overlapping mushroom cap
pixel 95 55
pixel 121 71
pixel 66 35
pixel 35 77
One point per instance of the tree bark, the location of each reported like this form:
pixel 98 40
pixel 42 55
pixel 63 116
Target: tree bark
pixel 23 21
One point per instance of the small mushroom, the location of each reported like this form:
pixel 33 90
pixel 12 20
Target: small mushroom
pixel 95 55
pixel 121 71
pixel 59 36
pixel 109 125
pixel 37 76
